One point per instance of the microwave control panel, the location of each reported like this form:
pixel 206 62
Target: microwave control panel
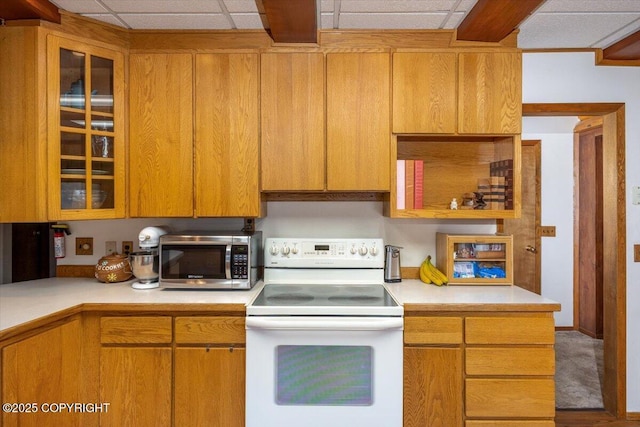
pixel 239 262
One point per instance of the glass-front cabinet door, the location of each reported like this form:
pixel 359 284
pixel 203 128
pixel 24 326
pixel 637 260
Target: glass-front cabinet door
pixel 86 131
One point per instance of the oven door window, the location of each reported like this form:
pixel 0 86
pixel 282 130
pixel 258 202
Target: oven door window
pixel 324 375
pixel 193 262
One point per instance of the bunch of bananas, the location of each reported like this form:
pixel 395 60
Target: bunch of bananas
pixel 430 274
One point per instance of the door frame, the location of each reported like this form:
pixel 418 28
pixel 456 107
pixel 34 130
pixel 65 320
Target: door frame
pixel 614 241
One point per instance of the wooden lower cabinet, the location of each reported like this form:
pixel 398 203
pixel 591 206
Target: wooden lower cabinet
pixel 479 370
pixel 136 381
pixel 432 387
pixel 40 372
pixel 209 386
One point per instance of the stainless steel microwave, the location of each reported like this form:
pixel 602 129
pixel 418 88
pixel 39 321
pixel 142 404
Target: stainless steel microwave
pixel 210 259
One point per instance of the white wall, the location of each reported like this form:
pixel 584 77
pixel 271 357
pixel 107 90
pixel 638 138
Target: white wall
pixel 556 134
pixel 573 77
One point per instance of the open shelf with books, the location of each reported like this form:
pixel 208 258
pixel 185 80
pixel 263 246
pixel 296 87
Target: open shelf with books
pixel 481 172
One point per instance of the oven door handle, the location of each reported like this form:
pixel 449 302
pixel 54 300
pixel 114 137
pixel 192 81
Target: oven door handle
pixel 325 323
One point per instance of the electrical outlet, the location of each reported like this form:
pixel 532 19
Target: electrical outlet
pixel 636 253
pixel 127 247
pixel 84 245
pixel 548 231
pixel 110 247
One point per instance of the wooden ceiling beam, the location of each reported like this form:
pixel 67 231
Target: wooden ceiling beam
pixel 626 49
pixel 29 9
pixel 493 20
pixel 292 21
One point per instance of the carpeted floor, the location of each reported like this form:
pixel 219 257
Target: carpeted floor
pixel 578 371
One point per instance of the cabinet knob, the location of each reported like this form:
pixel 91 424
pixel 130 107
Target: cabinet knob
pixel 531 249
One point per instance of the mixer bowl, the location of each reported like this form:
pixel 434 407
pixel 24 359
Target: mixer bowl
pixel 144 265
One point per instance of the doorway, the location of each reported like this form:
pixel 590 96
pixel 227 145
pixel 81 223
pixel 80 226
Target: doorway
pixel 613 243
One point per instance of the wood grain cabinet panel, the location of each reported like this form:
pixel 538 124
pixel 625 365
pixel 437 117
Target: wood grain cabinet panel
pixel 209 387
pixel 292 108
pixel 510 423
pixel 226 135
pixel 46 368
pixel 136 381
pixel 210 330
pixel 509 330
pixel 432 330
pixel 490 93
pixel 509 398
pixel 161 135
pixel 138 329
pixel 424 92
pixel 358 121
pixel 432 387
pixel 514 361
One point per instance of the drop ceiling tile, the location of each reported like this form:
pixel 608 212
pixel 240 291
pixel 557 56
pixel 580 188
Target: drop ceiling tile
pixel 109 19
pixel 391 20
pixel 327 6
pixel 381 6
pixel 326 21
pixel 241 6
pixel 247 21
pixel 80 6
pixel 177 21
pixel 589 6
pixel 570 30
pixel 618 35
pixel 163 6
pixel 454 20
pixel 466 5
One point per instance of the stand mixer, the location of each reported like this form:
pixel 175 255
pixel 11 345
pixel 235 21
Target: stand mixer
pixel 145 263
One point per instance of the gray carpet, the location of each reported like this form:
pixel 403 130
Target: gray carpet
pixel 578 371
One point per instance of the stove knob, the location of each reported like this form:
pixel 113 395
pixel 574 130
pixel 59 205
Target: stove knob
pixel 374 250
pixel 363 250
pixel 273 250
pixel 353 250
pixel 286 250
pixel 294 250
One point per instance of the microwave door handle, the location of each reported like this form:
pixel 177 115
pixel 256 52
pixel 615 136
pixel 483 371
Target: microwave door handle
pixel 227 262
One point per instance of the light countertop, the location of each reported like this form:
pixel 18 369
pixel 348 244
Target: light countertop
pixel 25 302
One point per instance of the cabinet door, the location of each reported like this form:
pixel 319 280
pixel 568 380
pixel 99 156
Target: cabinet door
pixel 490 93
pixel 226 139
pixel 424 92
pixel 358 121
pixel 23 151
pixel 136 381
pixel 432 387
pixel 292 106
pixel 161 135
pixel 209 387
pixel 45 369
pixel 86 131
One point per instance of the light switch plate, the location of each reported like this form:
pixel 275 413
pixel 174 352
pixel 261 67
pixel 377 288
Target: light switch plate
pixel 635 195
pixel 84 245
pixel 636 253
pixel 548 231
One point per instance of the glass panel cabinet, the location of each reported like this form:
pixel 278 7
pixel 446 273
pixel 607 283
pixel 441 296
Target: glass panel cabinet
pixel 86 131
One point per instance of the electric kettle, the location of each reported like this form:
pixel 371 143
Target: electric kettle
pixel 392 264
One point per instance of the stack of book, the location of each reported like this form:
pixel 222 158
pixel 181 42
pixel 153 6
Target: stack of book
pixel 410 179
pixel 493 189
pixel 504 168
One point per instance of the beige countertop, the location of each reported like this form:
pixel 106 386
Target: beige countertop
pixel 24 302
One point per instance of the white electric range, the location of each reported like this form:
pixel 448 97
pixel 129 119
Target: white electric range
pixel 324 337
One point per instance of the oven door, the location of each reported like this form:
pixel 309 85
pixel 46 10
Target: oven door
pixel 324 371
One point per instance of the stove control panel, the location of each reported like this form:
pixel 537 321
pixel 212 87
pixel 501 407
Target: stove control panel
pixel 323 253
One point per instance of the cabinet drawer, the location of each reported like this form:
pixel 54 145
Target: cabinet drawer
pixel 509 330
pixel 210 330
pixel 510 361
pixel 510 398
pixel 432 330
pixel 509 423
pixel 142 330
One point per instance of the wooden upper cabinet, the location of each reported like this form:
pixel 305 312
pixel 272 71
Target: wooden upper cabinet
pixel 292 107
pixel 490 93
pixel 358 121
pixel 226 135
pixel 161 135
pixel 424 92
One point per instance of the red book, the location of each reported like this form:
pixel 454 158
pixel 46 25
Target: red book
pixel 409 173
pixel 418 184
